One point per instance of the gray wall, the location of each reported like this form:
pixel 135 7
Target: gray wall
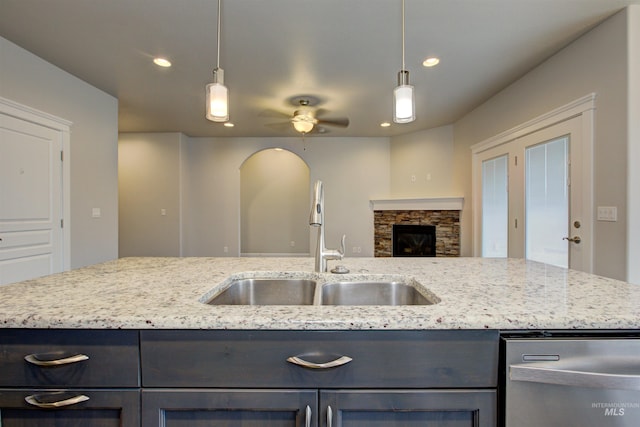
pixel 31 81
pixel 421 164
pixel 597 62
pixel 354 170
pixel 149 194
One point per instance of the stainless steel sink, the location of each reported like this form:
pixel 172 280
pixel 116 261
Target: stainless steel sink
pixel 372 293
pixel 386 290
pixel 266 292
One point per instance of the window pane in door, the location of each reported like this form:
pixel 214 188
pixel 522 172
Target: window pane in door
pixel 495 207
pixel 547 202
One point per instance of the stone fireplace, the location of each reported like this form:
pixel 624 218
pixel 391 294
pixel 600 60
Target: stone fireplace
pixel 441 213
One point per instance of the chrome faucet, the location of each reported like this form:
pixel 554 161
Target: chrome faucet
pixel 316 219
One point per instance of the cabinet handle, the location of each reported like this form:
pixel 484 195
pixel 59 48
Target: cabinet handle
pixel 329 416
pixel 342 360
pixel 307 421
pixel 37 359
pixel 35 401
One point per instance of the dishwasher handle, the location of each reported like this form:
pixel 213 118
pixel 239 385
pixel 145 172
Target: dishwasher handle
pixel 594 377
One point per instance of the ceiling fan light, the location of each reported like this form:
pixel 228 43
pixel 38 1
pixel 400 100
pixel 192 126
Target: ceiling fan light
pixel 303 126
pixel 217 98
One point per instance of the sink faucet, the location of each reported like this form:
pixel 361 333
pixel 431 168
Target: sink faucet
pixel 316 219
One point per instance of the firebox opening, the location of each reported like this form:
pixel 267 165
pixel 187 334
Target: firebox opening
pixel 414 240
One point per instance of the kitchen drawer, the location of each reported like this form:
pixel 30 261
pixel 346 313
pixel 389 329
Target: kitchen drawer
pixel 112 358
pixel 76 407
pixel 407 359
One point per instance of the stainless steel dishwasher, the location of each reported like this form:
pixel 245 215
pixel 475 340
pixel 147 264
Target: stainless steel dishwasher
pixel 572 382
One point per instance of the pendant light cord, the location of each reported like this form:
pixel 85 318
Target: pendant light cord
pixel 402 34
pixel 218 58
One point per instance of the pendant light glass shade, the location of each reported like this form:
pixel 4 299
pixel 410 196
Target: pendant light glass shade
pixel 217 98
pixel 404 104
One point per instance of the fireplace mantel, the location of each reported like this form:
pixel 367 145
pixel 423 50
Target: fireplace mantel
pixel 418 204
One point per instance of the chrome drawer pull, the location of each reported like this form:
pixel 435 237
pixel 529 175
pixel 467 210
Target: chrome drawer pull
pixel 33 400
pixel 36 359
pixel 343 360
pixel 329 416
pixel 307 422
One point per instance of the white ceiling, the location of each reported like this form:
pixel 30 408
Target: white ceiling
pixel 345 52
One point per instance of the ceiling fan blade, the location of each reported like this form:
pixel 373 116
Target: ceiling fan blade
pixel 319 112
pixel 342 122
pixel 280 126
pixel 275 114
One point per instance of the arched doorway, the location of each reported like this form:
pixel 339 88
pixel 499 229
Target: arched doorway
pixel 274 204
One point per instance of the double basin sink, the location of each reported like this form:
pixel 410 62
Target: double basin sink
pixel 321 290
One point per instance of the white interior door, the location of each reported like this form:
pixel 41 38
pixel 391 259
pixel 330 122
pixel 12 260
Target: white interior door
pixel 531 197
pixel 30 200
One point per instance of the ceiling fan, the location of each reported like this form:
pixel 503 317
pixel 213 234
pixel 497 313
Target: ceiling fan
pixel 307 119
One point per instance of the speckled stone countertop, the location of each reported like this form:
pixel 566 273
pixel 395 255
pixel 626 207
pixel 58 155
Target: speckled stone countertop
pixel 473 293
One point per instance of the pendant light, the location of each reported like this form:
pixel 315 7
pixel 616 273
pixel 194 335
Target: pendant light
pixel 404 105
pixel 217 92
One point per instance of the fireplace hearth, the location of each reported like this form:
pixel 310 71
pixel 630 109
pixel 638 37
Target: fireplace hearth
pixel 414 240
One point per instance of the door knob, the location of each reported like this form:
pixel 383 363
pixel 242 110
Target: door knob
pixel 575 239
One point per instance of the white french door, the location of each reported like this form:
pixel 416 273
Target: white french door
pixel 530 195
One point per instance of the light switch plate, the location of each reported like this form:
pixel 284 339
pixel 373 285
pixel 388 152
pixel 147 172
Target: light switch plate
pixel 96 213
pixel 607 213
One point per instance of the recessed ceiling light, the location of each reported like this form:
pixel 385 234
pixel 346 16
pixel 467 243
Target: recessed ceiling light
pixel 229 124
pixel 162 62
pixel 431 61
pixel 385 124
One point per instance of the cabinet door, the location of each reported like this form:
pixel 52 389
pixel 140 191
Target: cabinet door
pixel 395 408
pixel 229 408
pixel 112 408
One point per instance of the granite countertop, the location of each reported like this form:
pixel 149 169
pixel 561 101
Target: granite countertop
pixel 473 293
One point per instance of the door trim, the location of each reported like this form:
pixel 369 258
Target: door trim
pixel 41 118
pixel 582 107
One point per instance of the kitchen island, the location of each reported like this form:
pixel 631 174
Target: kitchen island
pixel 131 342
pixel 473 293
